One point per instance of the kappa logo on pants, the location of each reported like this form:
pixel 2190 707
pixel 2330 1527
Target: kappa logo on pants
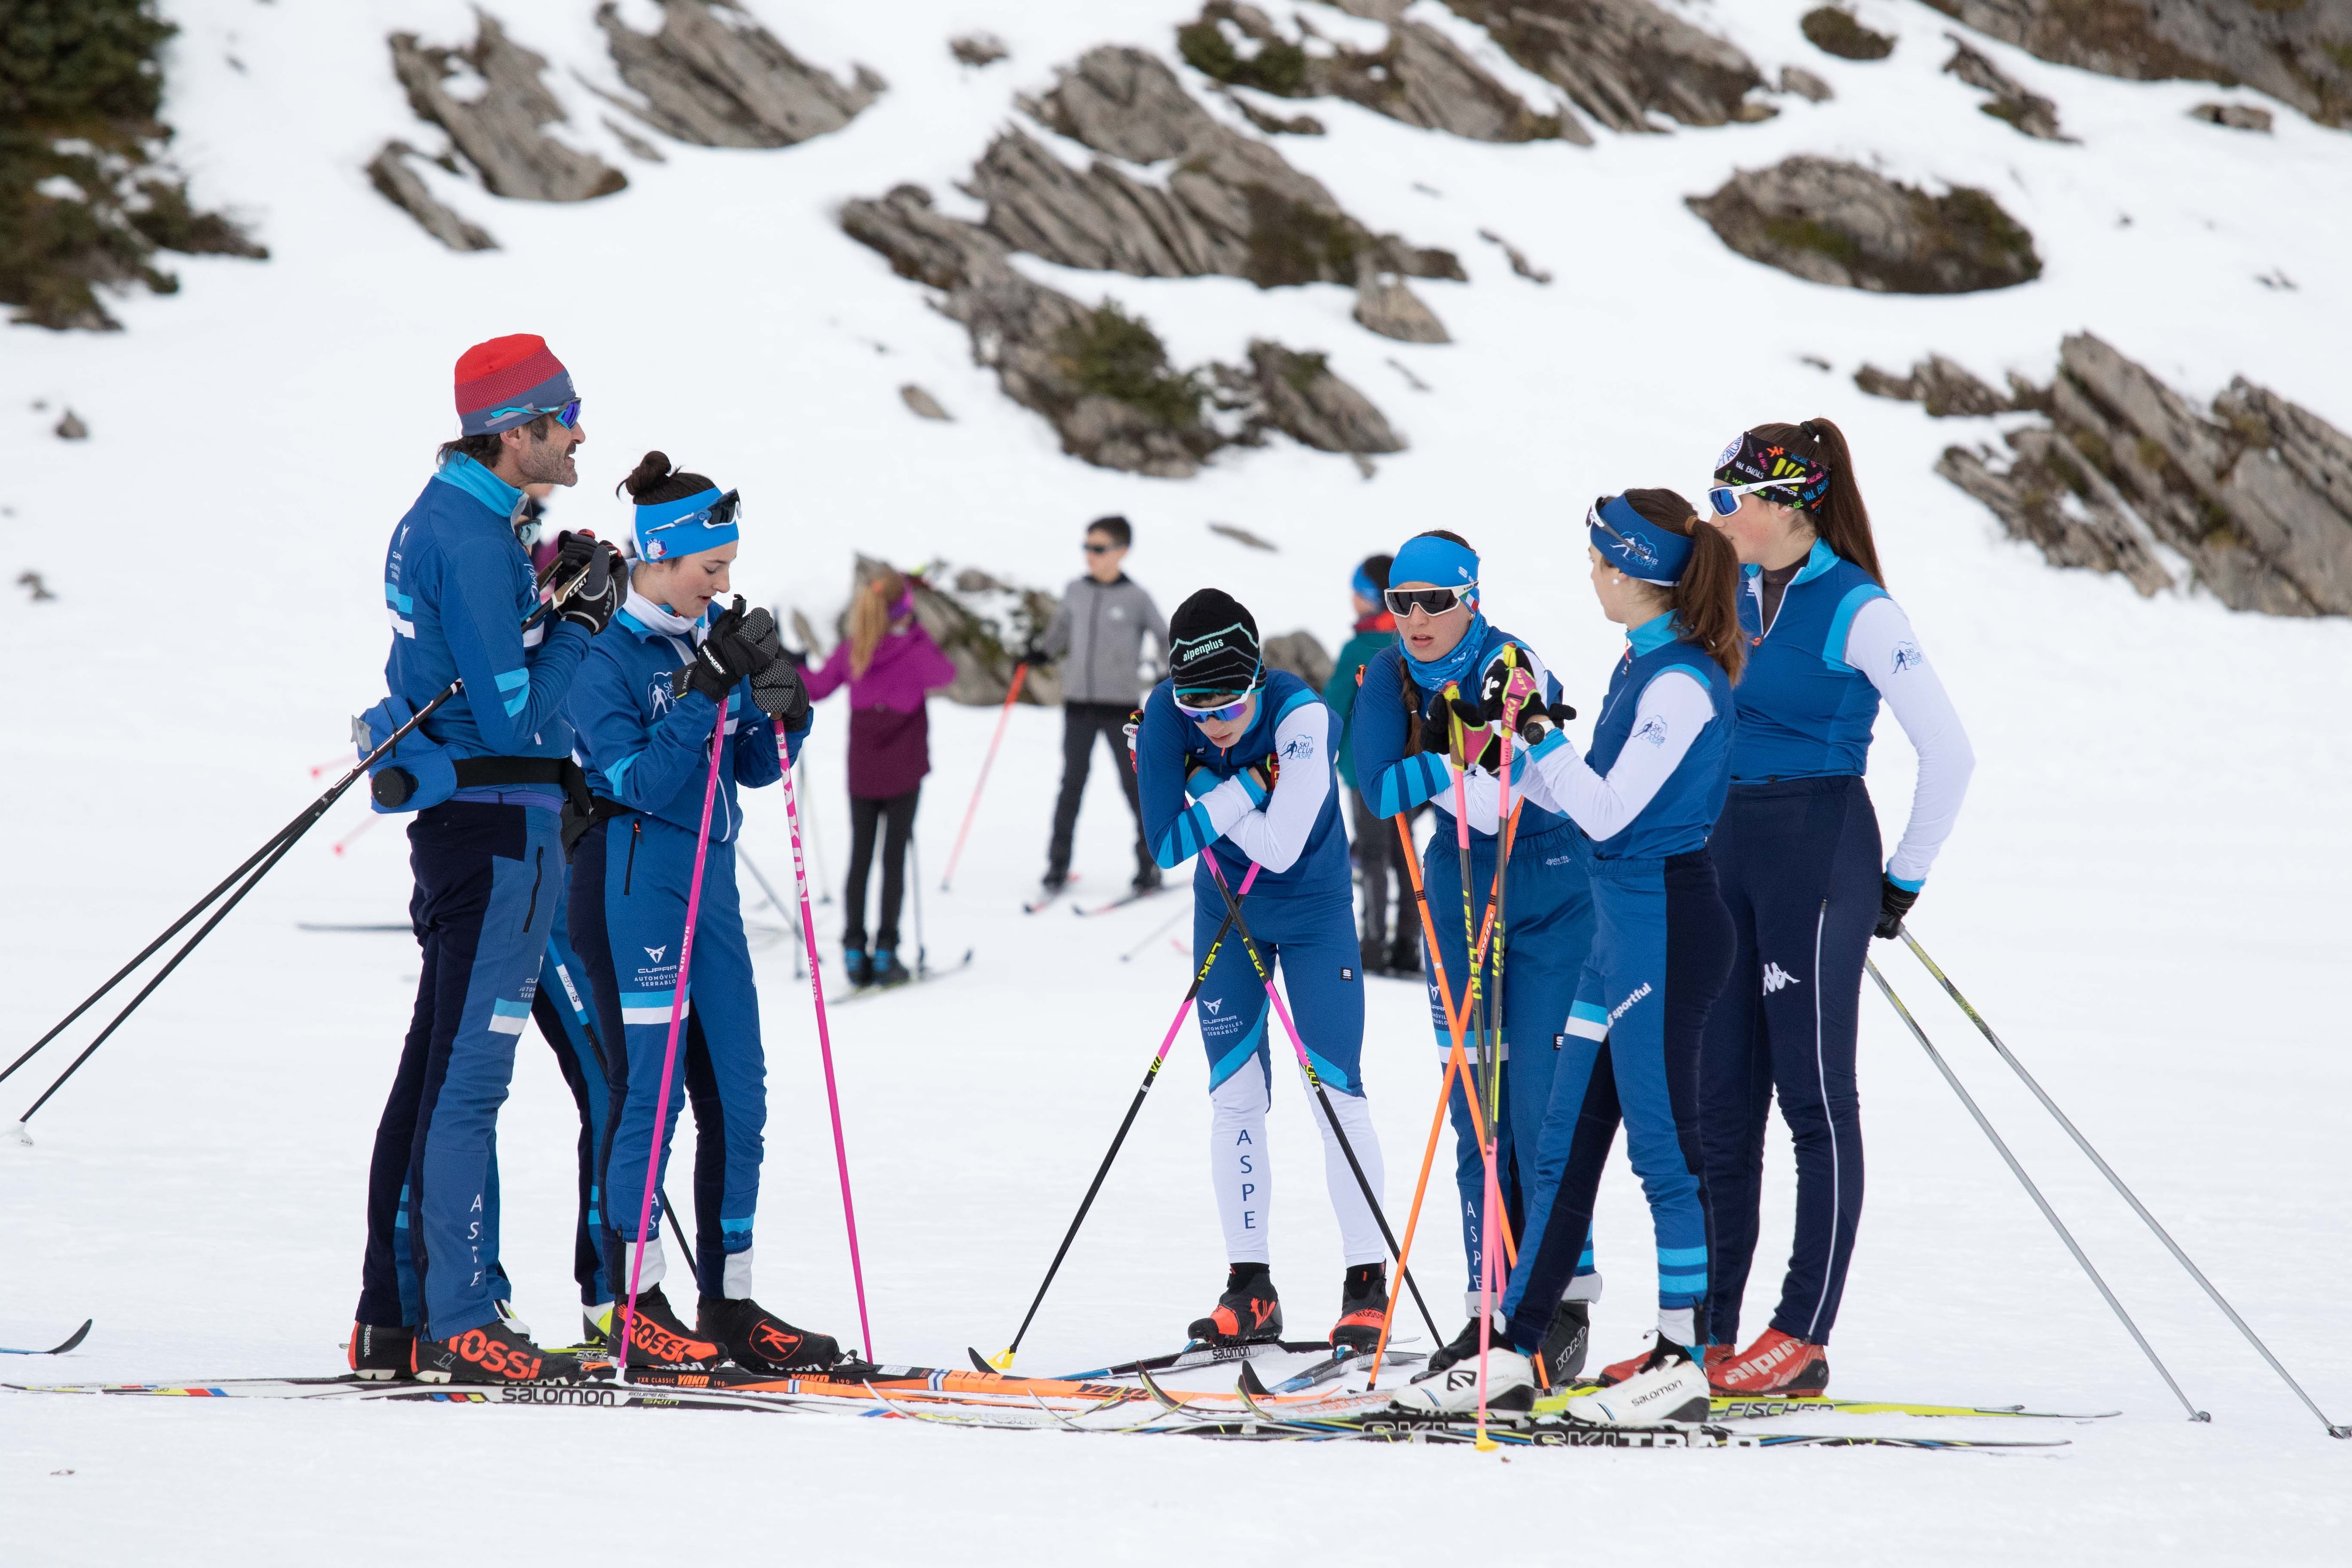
pixel 1776 977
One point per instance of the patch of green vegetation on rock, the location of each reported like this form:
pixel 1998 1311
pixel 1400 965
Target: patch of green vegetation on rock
pixel 86 196
pixel 1834 30
pixel 1117 355
pixel 1279 66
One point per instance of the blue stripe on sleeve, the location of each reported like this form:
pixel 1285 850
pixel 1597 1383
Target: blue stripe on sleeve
pixel 1842 623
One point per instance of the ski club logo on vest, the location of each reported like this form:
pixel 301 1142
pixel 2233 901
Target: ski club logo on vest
pixel 1776 978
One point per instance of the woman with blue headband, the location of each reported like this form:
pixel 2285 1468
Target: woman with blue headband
pixel 646 706
pixel 1798 852
pixel 1402 732
pixel 1645 798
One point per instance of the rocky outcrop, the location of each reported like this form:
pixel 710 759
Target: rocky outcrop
pixel 979 622
pixel 2298 51
pixel 1228 204
pixel 714 77
pixel 1301 653
pixel 2031 113
pixel 2254 498
pixel 1841 225
pixel 923 405
pixel 488 97
pixel 1386 306
pixel 977 49
pixel 2235 116
pixel 1834 30
pixel 1622 60
pixel 1101 376
pixel 1418 76
pixel 1805 84
pixel 1946 389
pixel 398 183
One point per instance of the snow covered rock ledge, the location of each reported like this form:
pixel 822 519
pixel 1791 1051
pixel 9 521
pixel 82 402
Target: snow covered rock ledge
pixel 714 77
pixel 488 97
pixel 1841 225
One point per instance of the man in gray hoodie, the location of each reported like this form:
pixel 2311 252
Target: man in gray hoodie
pixel 1096 637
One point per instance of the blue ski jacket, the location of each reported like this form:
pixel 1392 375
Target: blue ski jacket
pixel 1293 831
pixel 648 751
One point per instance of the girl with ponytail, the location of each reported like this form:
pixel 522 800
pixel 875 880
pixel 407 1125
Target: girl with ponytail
pixel 1645 798
pixel 1798 852
pixel 889 663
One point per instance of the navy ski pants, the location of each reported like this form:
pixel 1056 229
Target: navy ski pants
pixel 1548 932
pixel 489 878
pixel 1799 864
pixel 565 1016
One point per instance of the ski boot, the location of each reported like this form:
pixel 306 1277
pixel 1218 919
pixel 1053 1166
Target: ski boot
pixel 1775 1363
pixel 1148 878
pixel 496 1353
pixel 888 970
pixel 758 1340
pixel 1666 1389
pixel 1372 953
pixel 596 1325
pixel 379 1355
pixel 1464 1345
pixel 656 1338
pixel 1404 957
pixel 1247 1313
pixel 856 965
pixel 1363 1307
pixel 1453 1390
pixel 1565 1343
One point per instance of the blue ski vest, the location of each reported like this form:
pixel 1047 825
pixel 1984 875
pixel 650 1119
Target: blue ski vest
pixel 1682 814
pixel 1177 826
pixel 1804 712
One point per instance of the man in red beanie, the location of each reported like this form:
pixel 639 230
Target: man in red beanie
pixel 489 785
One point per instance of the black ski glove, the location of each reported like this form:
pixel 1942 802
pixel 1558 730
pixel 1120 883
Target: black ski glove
pixel 1893 903
pixel 782 694
pixel 1034 656
pixel 725 657
pixel 595 580
pixel 1436 735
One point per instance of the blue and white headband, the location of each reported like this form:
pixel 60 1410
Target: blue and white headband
pixel 1425 558
pixel 1634 545
pixel 704 520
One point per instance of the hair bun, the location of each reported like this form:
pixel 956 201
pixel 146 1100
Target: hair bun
pixel 651 471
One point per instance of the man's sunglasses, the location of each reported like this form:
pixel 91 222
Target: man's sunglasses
pixel 1724 499
pixel 568 415
pixel 1228 709
pixel 1430 601
pixel 1093 548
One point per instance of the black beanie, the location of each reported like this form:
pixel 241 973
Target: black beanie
pixel 1213 646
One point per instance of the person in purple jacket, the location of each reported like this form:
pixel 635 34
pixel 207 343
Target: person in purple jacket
pixel 889 662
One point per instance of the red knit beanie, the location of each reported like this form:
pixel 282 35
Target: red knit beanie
pixel 508 382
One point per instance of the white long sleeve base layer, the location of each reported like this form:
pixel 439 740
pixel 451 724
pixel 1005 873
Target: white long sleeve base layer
pixel 1274 834
pixel 1880 644
pixel 1244 1177
pixel 1671 710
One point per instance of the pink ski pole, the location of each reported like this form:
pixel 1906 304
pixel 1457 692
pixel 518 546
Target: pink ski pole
pixel 824 1037
pixel 1020 674
pixel 669 1052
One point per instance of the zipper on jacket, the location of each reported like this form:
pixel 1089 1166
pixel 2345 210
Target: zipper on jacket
pixel 1094 638
pixel 539 871
pixel 636 829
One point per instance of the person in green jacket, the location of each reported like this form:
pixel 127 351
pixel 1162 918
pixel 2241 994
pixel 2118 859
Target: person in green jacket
pixel 1389 934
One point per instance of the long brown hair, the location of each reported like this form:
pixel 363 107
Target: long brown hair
pixel 1706 600
pixel 1841 518
pixel 869 617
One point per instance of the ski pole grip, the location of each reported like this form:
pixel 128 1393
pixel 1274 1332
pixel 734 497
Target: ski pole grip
pixel 392 787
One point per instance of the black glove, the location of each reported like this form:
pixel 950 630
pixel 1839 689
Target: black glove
pixel 782 694
pixel 1534 723
pixel 1434 733
pixel 595 581
pixel 1893 903
pixel 725 657
pixel 1034 656
pixel 798 657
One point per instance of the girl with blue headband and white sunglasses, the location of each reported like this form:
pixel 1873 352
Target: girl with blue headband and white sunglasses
pixel 1645 798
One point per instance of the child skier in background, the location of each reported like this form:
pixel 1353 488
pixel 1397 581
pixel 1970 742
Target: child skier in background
pixel 1235 765
pixel 1390 929
pixel 646 706
pixel 888 661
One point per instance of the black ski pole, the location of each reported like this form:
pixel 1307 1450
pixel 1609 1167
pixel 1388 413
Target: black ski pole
pixel 270 855
pixel 2335 1429
pixel 1003 1360
pixel 2039 1202
pixel 915 885
pixel 1315 1081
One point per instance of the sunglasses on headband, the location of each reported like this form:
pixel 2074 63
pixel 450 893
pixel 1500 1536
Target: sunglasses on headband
pixel 1724 499
pixel 1639 550
pixel 1227 708
pixel 1430 601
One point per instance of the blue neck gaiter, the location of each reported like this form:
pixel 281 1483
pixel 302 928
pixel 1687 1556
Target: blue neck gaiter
pixel 1455 665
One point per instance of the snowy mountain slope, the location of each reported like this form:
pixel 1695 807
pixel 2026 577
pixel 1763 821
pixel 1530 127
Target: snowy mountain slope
pixel 2143 893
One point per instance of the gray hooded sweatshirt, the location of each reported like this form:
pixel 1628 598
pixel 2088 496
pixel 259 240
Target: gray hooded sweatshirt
pixel 1097 635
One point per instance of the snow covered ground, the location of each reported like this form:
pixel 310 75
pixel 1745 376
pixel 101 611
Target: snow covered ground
pixel 2143 894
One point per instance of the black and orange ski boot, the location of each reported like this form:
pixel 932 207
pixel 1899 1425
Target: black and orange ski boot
pixel 497 1351
pixel 758 1340
pixel 379 1354
pixel 1363 1307
pixel 1247 1313
pixel 657 1339
pixel 1777 1364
